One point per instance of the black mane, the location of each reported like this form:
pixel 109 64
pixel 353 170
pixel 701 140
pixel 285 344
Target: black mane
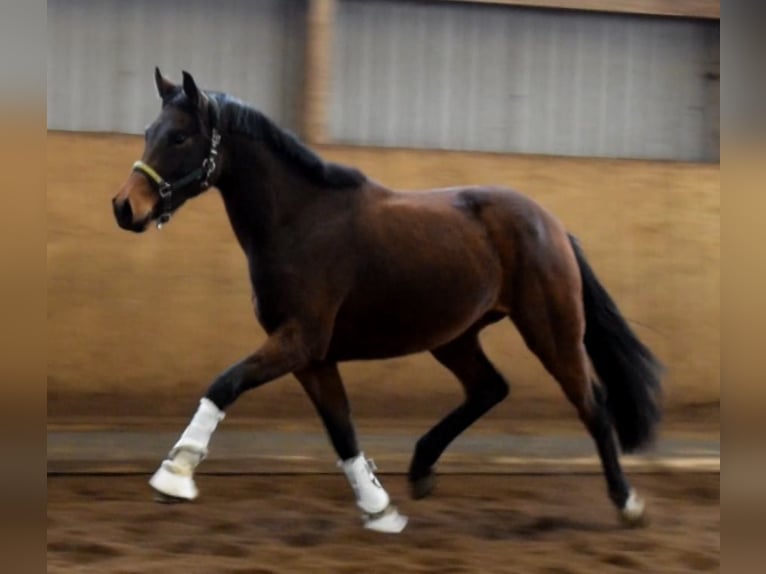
pixel 238 117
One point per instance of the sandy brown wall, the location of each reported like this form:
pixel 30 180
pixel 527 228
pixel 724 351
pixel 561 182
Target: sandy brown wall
pixel 139 324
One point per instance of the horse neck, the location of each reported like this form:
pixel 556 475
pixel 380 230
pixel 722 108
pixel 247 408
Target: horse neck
pixel 261 195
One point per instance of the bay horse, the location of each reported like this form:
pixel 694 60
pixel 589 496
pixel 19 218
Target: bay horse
pixel 343 268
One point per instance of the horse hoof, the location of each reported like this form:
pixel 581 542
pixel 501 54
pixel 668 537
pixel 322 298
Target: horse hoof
pixel 388 521
pixel 633 514
pixel 165 499
pixel 423 486
pixel 172 484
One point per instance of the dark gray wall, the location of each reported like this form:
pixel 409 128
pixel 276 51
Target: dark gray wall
pixel 460 76
pixel 102 53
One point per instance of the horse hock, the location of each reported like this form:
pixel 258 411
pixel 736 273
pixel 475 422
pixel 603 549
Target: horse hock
pixel 174 479
pixel 379 515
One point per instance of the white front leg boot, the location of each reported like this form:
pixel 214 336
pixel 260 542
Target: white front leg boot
pixel 371 497
pixel 174 480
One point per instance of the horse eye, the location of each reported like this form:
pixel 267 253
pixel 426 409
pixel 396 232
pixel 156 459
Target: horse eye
pixel 179 138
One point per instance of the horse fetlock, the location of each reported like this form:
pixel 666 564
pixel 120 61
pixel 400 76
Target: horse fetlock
pixel 633 512
pixel 422 486
pixel 371 497
pixel 186 458
pixel 196 436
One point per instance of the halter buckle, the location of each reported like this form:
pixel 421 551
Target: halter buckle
pixel 165 189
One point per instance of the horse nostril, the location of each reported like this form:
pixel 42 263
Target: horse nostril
pixel 122 211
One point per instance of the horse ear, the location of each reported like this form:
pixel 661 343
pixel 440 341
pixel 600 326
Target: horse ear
pixel 164 86
pixel 195 95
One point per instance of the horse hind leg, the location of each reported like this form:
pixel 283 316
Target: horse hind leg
pixel 484 387
pixel 588 397
pixel 552 326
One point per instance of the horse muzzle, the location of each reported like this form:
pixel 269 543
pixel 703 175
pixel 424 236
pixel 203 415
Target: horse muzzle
pixel 123 214
pixel 134 204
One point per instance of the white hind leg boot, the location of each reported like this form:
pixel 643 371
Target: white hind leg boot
pixel 371 497
pixel 632 513
pixel 175 477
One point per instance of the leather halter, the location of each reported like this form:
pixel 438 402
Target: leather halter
pixel 202 174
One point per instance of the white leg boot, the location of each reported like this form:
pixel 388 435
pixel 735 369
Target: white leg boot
pixel 371 497
pixel 632 514
pixel 175 477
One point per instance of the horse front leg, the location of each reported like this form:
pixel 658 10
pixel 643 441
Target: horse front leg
pixel 283 352
pixel 323 384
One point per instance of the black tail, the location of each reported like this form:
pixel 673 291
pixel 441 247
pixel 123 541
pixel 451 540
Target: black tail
pixel 626 367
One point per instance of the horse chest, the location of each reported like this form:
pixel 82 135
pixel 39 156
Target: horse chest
pixel 268 301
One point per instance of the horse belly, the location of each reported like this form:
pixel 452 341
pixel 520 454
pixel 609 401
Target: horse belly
pixel 389 318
